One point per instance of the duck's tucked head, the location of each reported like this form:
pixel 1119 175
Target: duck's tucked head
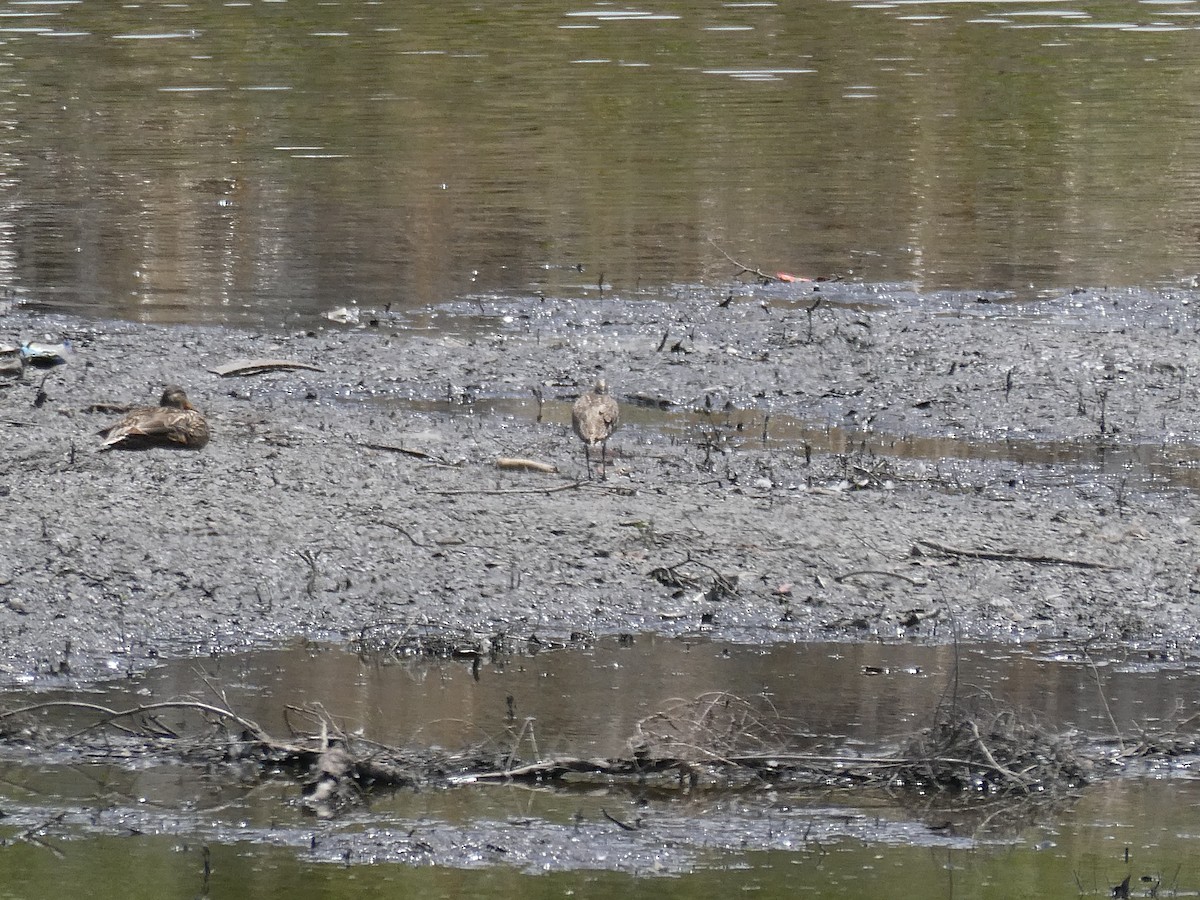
pixel 601 386
pixel 174 396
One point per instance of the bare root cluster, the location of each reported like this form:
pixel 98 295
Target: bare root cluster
pixel 991 751
pixel 713 727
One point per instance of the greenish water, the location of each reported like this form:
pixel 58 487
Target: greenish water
pixel 272 874
pixel 73 825
pixel 1084 854
pixel 266 162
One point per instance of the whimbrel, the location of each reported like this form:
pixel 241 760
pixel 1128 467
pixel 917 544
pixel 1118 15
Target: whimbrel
pixel 173 423
pixel 594 418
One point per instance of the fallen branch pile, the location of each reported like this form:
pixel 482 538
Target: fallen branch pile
pixel 717 738
pixel 992 751
pixel 713 742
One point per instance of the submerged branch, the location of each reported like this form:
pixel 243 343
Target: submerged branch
pixel 744 269
pixel 112 715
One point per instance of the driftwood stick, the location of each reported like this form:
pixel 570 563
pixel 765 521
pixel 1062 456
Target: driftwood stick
pixel 543 768
pixel 916 582
pixel 624 826
pixel 1011 556
pixel 525 465
pixel 546 490
pixel 556 767
pixel 415 454
pixel 258 366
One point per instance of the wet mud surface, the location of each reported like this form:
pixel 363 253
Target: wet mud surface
pixel 533 831
pixel 880 466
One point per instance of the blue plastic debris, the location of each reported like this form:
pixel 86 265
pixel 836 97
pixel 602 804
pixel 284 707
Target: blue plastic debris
pixel 45 356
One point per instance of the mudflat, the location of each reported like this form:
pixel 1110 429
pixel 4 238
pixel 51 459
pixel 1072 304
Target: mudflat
pixel 824 461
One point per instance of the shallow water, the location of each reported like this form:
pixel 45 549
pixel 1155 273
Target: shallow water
pixel 1020 461
pixel 82 823
pixel 587 701
pixel 1082 856
pixel 265 162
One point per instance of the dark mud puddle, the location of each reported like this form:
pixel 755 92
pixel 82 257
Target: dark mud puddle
pixel 862 455
pixel 219 829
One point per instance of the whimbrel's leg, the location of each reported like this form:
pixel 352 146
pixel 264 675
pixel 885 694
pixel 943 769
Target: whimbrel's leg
pixel 604 460
pixel 587 458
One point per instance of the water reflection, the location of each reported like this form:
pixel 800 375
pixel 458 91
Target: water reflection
pixel 406 154
pixel 1082 857
pixel 588 701
pixel 66 825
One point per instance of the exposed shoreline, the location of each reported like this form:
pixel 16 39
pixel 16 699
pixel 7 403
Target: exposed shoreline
pixel 295 520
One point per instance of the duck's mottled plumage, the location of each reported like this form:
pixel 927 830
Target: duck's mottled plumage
pixel 594 417
pixel 173 423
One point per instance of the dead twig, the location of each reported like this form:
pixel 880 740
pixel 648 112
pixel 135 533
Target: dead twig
pixel 258 366
pixel 744 269
pixel 415 454
pixel 110 716
pixel 526 728
pixel 500 491
pixel 403 531
pixel 915 582
pixel 1012 556
pixel 622 825
pixel 1103 697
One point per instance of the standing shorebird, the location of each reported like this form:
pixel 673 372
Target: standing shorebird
pixel 173 423
pixel 594 418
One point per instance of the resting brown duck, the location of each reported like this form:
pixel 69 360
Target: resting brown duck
pixel 173 423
